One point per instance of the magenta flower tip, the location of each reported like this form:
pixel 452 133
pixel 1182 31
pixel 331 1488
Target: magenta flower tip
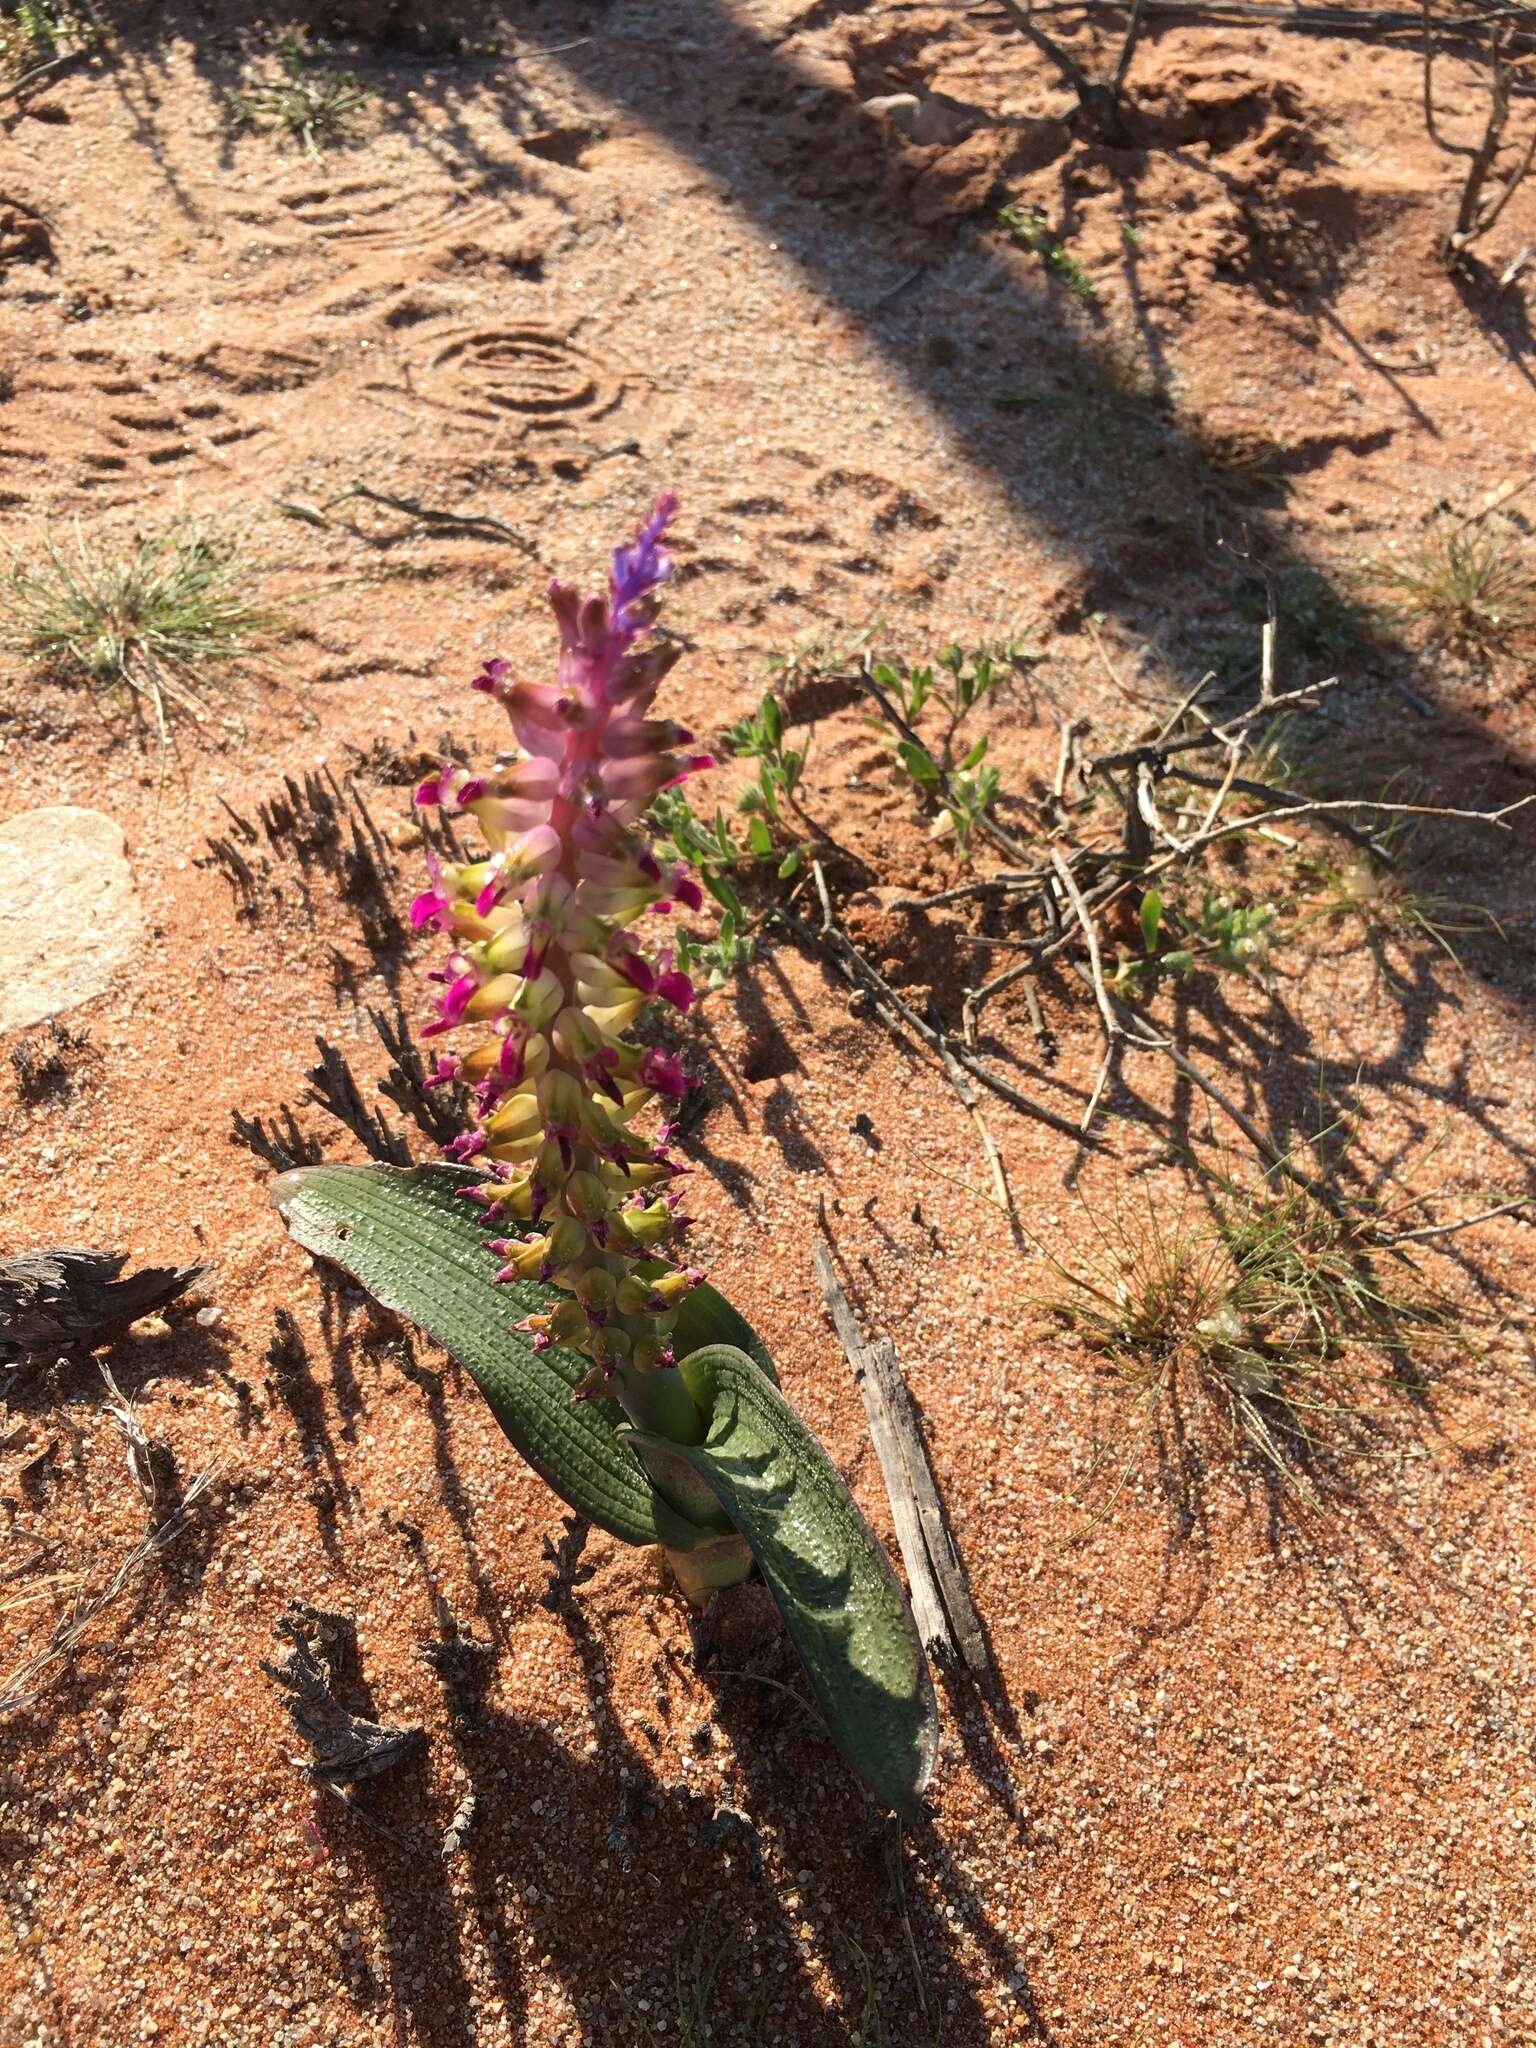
pixel 676 988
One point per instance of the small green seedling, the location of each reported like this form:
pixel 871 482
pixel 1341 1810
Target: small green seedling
pixel 959 785
pixel 1029 226
pixel 1232 937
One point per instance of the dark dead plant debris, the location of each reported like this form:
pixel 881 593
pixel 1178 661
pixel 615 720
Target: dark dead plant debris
pixel 346 1748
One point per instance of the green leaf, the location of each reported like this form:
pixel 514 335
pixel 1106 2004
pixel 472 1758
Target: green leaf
pixel 706 1317
pixel 1151 918
pixel 760 837
pixel 724 894
pixel 840 1600
pixel 418 1246
pixel 918 762
pixel 773 720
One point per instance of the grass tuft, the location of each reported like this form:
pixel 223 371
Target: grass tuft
pixel 1474 583
pixel 1265 1308
pixel 1386 906
pixel 314 106
pixel 35 32
pixel 698 2022
pixel 139 621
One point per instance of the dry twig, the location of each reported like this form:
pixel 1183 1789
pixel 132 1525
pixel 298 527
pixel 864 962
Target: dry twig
pixel 941 1602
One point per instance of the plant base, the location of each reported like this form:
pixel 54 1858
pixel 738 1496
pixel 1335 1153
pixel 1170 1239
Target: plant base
pixel 710 1567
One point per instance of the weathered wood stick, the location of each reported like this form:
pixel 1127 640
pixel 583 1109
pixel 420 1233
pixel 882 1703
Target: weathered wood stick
pixel 941 1603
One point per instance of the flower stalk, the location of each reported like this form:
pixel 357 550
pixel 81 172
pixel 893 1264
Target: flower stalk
pixel 547 973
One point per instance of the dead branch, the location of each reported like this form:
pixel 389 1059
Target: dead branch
pixel 834 943
pixel 479 525
pixel 1100 104
pixel 945 1614
pixel 1146 1040
pixel 66 60
pixel 1475 216
pixel 1366 22
pixel 960 1082
pixel 1433 1230
pixel 73 1300
pixel 1322 806
pixel 345 1748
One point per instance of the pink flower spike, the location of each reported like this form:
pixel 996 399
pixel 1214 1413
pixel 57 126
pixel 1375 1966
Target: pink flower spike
pixel 448 1068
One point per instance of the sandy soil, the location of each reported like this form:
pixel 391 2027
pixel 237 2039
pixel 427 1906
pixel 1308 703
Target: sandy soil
pixel 1249 1773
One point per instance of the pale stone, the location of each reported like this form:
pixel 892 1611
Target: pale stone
pixel 69 913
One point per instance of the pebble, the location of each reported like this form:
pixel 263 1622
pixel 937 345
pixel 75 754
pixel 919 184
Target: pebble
pixel 70 915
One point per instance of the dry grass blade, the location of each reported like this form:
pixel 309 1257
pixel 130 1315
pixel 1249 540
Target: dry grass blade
pixel 22 1685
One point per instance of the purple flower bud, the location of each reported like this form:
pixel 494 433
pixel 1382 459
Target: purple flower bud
pixel 452 1005
pixel 685 889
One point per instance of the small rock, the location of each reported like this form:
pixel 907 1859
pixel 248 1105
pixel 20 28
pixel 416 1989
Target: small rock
pixel 933 120
pixel 148 1328
pixel 70 916
pixel 208 1316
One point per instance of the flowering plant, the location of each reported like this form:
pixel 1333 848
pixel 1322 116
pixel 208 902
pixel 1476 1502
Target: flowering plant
pixel 649 1404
